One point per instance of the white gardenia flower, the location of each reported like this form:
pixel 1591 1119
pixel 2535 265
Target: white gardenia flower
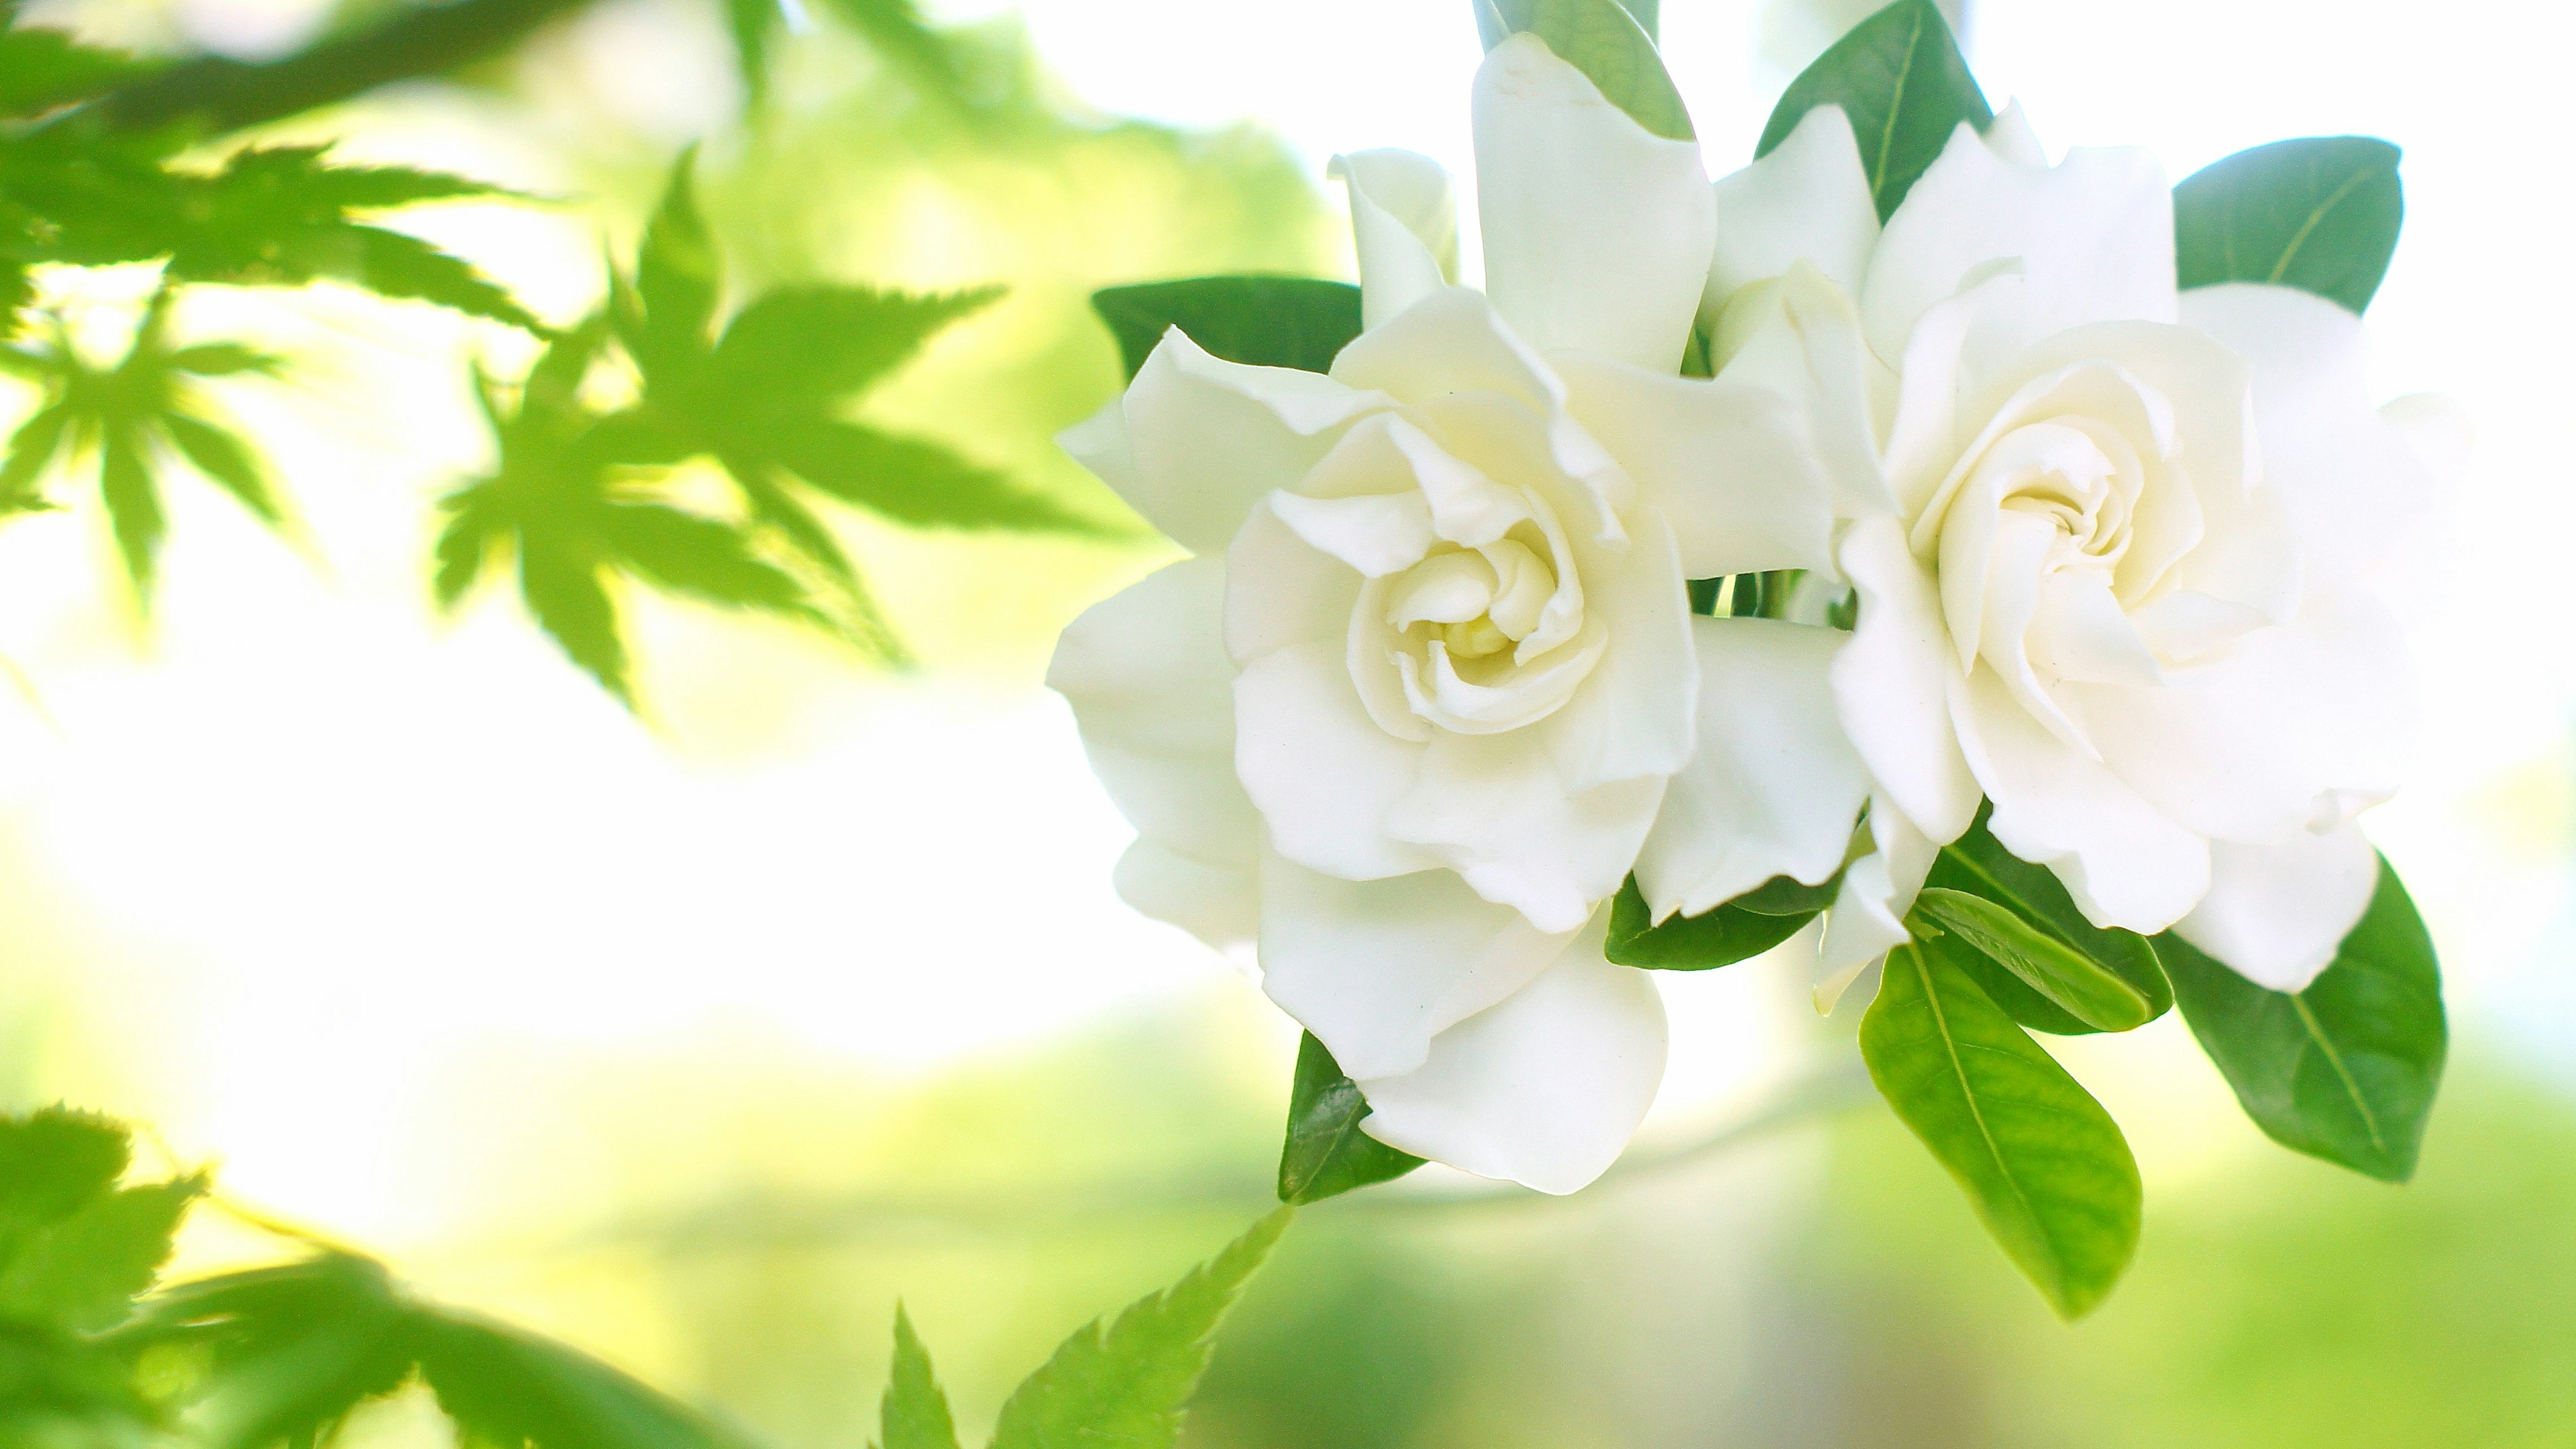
pixel 1407 715
pixel 2109 541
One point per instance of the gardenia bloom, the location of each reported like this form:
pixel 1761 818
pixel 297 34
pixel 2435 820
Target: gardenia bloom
pixel 2109 543
pixel 1406 716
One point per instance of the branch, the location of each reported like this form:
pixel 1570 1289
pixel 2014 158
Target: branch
pixel 228 95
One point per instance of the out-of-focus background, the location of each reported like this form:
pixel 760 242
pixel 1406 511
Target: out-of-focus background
pixel 699 1040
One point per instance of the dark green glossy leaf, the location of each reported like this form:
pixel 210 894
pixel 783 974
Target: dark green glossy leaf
pixel 1977 864
pixel 913 482
pixel 914 1413
pixel 571 602
pixel 503 1386
pixel 2345 1070
pixel 2071 980
pixel 1326 1154
pixel 1720 937
pixel 2320 214
pixel 2040 1160
pixel 1122 1385
pixel 1609 41
pixel 797 347
pixel 1900 78
pixel 1298 322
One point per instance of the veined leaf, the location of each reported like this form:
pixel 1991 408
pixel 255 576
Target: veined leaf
pixel 795 347
pixel 1123 1385
pixel 913 482
pixel 2041 1162
pixel 1719 937
pixel 1299 322
pixel 2071 980
pixel 1978 865
pixel 914 1414
pixel 1900 77
pixel 1326 1154
pixel 2345 1070
pixel 1607 42
pixel 2320 214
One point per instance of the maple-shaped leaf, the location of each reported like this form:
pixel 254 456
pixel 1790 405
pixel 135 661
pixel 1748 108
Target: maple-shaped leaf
pixel 136 418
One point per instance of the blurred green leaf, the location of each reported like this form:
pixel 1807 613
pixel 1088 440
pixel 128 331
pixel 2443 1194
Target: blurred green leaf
pixel 1977 864
pixel 83 1271
pixel 1719 937
pixel 1123 1385
pixel 799 348
pixel 1901 80
pixel 699 558
pixel 2320 214
pixel 501 1386
pixel 2041 1162
pixel 2347 1069
pixel 1299 322
pixel 53 1162
pixel 1326 1152
pixel 564 591
pixel 133 503
pixel 915 1413
pixel 41 69
pixel 912 482
pixel 1605 41
pixel 678 275
pixel 292 1350
pixel 2071 980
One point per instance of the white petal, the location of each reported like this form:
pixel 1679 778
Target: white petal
pixel 2011 138
pixel 1281 590
pixel 1632 716
pixel 1891 684
pixel 1451 342
pixel 1553 161
pixel 2094 236
pixel 1544 1089
pixel 1152 690
pixel 1375 533
pixel 1868 915
pixel 2352 482
pixel 1494 809
pixel 1207 438
pixel 1799 337
pixel 1727 464
pixel 1404 220
pixel 2126 863
pixel 2439 429
pixel 1322 773
pixel 1375 968
pixel 1808 200
pixel 2287 731
pixel 2277 913
pixel 1774 788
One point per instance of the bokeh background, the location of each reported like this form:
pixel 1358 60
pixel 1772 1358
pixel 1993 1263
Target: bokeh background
pixel 700 1039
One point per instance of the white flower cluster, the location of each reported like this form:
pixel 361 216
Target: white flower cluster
pixel 1430 687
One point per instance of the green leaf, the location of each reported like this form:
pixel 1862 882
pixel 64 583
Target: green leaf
pixel 228 461
pixel 83 1271
pixel 571 602
pixel 2040 1160
pixel 31 448
pixel 475 524
pixel 395 264
pixel 503 1386
pixel 2345 1070
pixel 678 273
pixel 918 483
pixel 750 22
pixel 1900 78
pixel 1978 865
pixel 133 505
pixel 701 558
pixel 1719 937
pixel 896 29
pixel 1326 1154
pixel 2067 977
pixel 220 359
pixel 2320 214
pixel 294 1349
pixel 914 1414
pixel 796 347
pixel 1607 42
pixel 1298 322
pixel 1123 1385
pixel 41 69
pixel 53 1163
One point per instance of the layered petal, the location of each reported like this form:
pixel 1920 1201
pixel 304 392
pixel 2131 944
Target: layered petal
pixel 1322 773
pixel 2277 913
pixel 2093 236
pixel 1633 719
pixel 1774 788
pixel 1807 201
pixel 1727 464
pixel 1544 1088
pixel 1867 919
pixel 1152 692
pixel 1892 684
pixel 1375 969
pixel 2352 480
pixel 1553 159
pixel 1206 438
pixel 1404 221
pixel 1799 337
pixel 1495 809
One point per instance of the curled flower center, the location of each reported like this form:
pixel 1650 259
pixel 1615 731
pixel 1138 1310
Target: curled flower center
pixel 1475 603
